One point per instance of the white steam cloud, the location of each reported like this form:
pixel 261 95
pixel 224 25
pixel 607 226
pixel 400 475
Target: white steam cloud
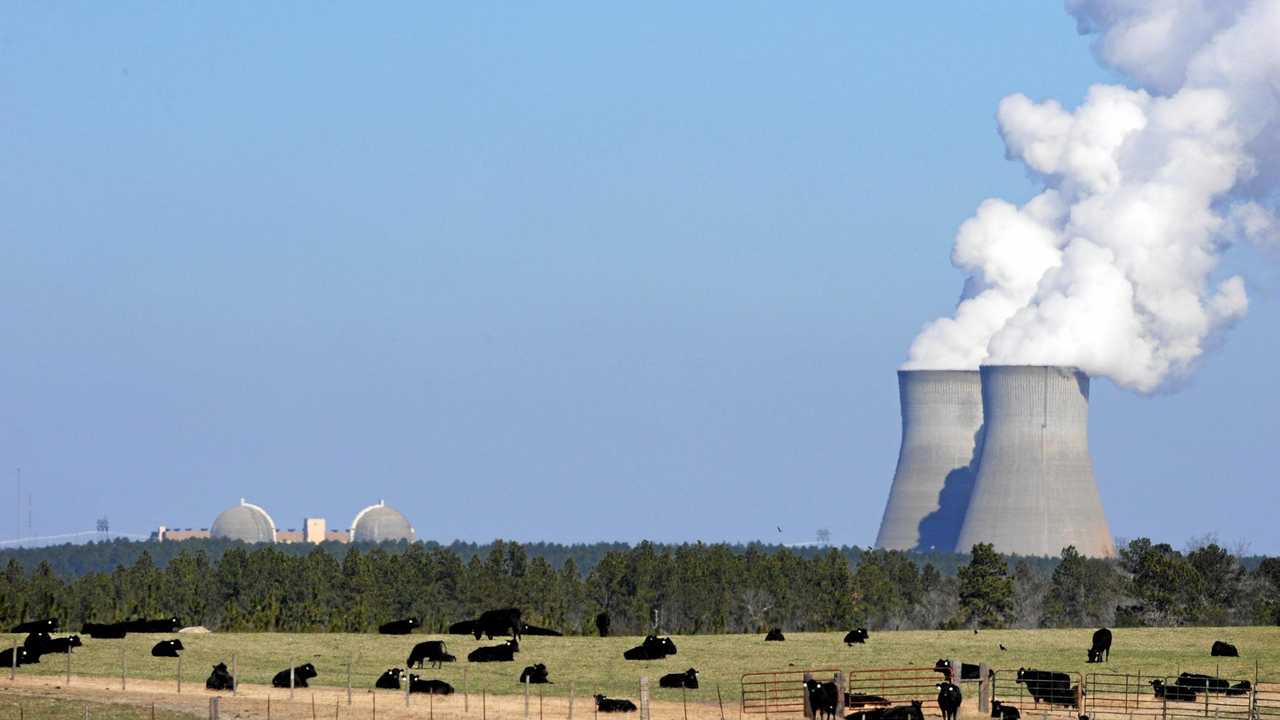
pixel 1111 267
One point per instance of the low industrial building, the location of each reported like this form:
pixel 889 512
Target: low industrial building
pixel 250 523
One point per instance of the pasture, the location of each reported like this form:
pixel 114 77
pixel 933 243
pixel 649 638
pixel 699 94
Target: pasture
pixel 596 664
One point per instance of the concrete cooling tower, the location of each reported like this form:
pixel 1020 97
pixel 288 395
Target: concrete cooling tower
pixel 1035 492
pixel 941 437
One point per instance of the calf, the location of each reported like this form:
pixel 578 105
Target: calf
pixel 534 674
pixel 1052 687
pixel 1222 649
pixel 914 711
pixel 301 675
pixel 389 680
pixel 823 697
pixel 968 671
pixel 687 679
pixel 1241 688
pixel 506 652
pixel 105 631
pixel 774 635
pixel 432 651
pixel 602 624
pixel 167 648
pixel 220 679
pixel 607 704
pixel 1174 693
pixel 62 644
pixel 49 625
pixel 858 636
pixel 429 687
pixel 653 648
pixel 24 658
pixel 949 699
pixel 399 627
pixel 1100 651
pixel 1004 712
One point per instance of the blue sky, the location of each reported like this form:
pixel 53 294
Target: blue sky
pixel 544 271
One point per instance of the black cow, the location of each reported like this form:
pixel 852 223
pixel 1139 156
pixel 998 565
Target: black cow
pixel 220 679
pixel 1241 688
pixel 858 636
pixel 1175 692
pixel 534 674
pixel 687 679
pixel 1052 687
pixel 602 624
pixel 62 645
pixel 105 631
pixel 399 627
pixel 823 697
pixel 1222 649
pixel 389 680
pixel 774 635
pixel 1205 683
pixel 36 642
pixel 24 658
pixel 506 652
pixel 949 699
pixel 861 700
pixel 914 711
pixel 167 648
pixel 432 651
pixel 653 648
pixel 1004 712
pixel 165 625
pixel 968 671
pixel 301 675
pixel 607 704
pixel 535 630
pixel 49 625
pixel 429 687
pixel 491 623
pixel 1101 649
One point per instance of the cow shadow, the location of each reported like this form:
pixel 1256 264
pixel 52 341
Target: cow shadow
pixel 940 530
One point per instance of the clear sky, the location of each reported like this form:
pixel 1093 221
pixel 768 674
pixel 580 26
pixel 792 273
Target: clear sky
pixel 545 271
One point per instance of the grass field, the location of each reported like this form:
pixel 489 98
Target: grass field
pixel 597 664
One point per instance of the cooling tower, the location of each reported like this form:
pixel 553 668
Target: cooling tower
pixel 941 435
pixel 1035 493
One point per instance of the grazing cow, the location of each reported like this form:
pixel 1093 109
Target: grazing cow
pixel 1004 712
pixel 220 679
pixel 432 651
pixel 774 635
pixel 62 645
pixel 1101 649
pixel 1052 687
pixel 687 679
pixel 301 675
pixel 1241 688
pixel 104 631
pixel 49 625
pixel 534 674
pixel 1223 649
pixel 165 625
pixel 949 699
pixel 399 627
pixel 823 697
pixel 653 648
pixel 858 636
pixel 1175 692
pixel 167 648
pixel 24 657
pixel 389 680
pixel 608 704
pixel 968 671
pixel 429 687
pixel 861 700
pixel 506 652
pixel 1202 683
pixel 602 624
pixel 495 623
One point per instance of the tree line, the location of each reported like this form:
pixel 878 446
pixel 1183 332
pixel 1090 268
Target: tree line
pixel 680 589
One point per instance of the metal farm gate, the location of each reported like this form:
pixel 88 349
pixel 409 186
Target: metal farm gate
pixel 884 687
pixel 1203 696
pixel 779 693
pixel 1040 698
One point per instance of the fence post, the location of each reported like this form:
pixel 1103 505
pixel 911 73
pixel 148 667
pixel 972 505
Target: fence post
pixel 719 700
pixel 68 666
pixel 984 688
pixel 213 708
pixel 407 687
pixel 808 706
pixel 290 677
pixel 526 697
pixel 123 665
pixel 841 689
pixel 572 687
pixel 348 682
pixel 431 704
pixel 482 704
pixel 13 660
pixel 235 676
pixel 179 673
pixel 466 693
pixel 644 698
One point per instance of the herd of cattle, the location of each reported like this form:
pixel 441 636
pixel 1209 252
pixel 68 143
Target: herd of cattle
pixel 824 698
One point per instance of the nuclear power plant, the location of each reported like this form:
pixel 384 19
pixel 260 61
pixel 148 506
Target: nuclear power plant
pixel 250 523
pixel 1012 469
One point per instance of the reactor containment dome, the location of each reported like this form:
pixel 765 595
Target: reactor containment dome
pixel 245 522
pixel 381 523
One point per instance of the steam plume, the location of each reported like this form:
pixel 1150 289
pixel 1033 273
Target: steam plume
pixel 1111 267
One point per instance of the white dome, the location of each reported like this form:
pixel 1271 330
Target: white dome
pixel 380 523
pixel 245 522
